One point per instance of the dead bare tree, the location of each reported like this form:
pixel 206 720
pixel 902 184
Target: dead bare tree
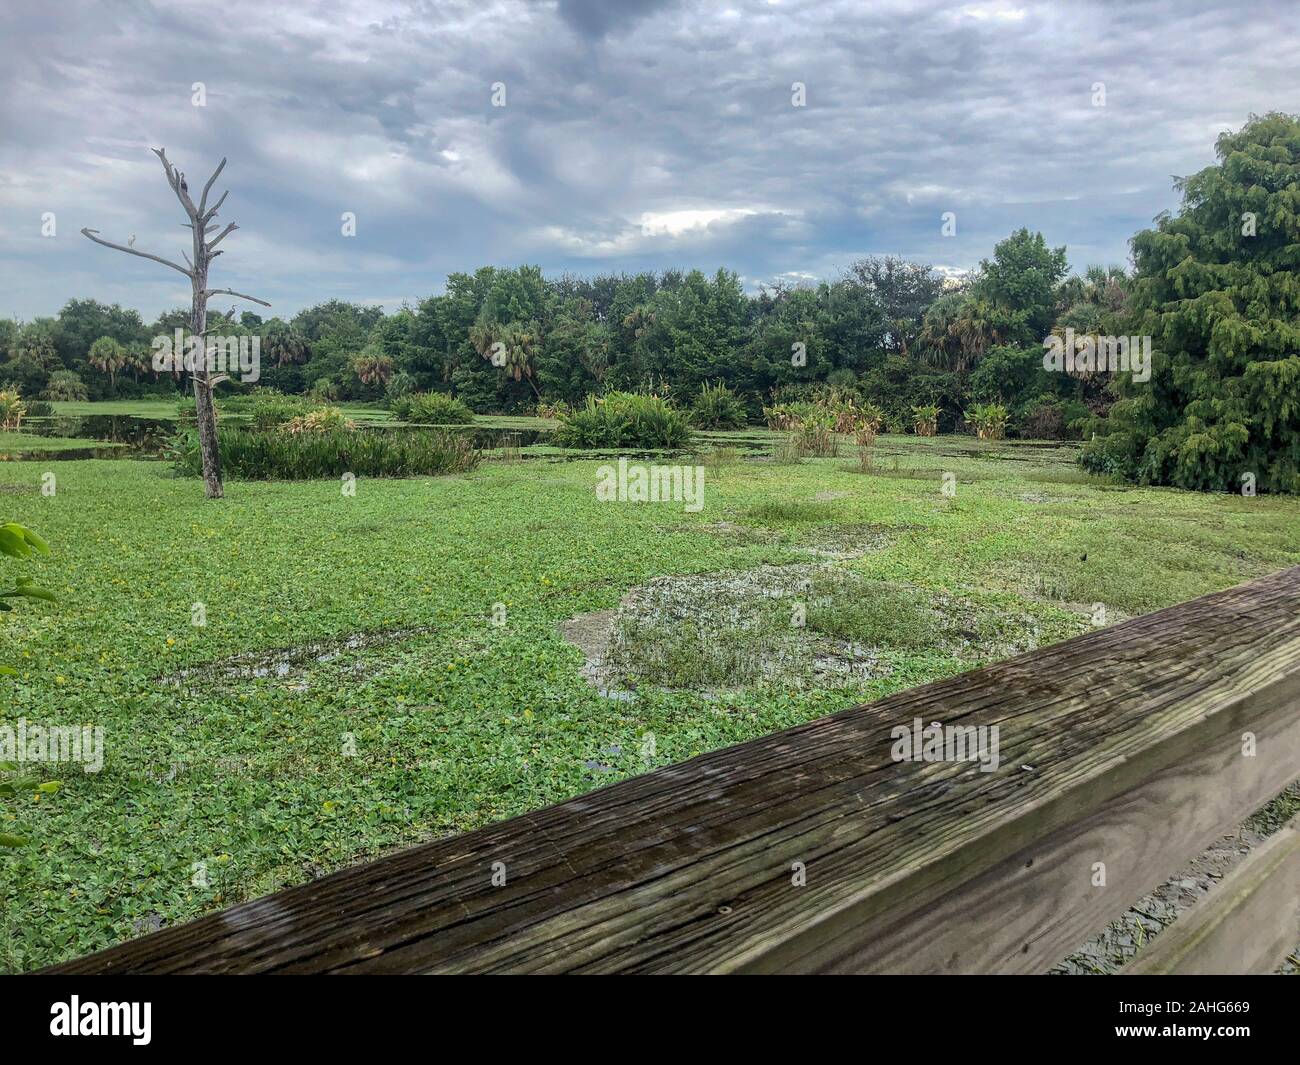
pixel 205 251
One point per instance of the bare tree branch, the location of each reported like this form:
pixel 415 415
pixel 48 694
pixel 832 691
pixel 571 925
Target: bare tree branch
pixel 161 153
pixel 176 179
pixel 216 206
pixel 203 202
pixel 187 260
pixel 132 251
pixel 232 292
pixel 224 233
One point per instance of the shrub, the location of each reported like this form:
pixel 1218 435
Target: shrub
pixel 989 419
pixel 269 410
pixel 843 406
pixel 66 386
pixel 399 386
pixel 624 419
pixel 926 420
pixel 558 409
pixel 1051 418
pixel 431 408
pixel 12 408
pixel 324 420
pixel 816 434
pixel 717 407
pixel 244 402
pixel 250 454
pixel 785 416
pixel 325 390
pixel 867 424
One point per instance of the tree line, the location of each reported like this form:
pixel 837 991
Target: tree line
pixel 513 340
pixel 1215 286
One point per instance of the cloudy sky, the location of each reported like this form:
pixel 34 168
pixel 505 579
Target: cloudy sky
pixel 635 134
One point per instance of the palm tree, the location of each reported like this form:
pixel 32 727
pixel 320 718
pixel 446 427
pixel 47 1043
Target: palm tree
pixel 285 344
pixel 107 356
pixel 373 369
pixel 937 343
pixel 977 328
pixel 512 348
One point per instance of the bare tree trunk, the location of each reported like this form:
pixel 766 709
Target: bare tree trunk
pixel 204 408
pixel 200 218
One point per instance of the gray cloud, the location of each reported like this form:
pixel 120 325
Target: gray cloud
pixel 595 18
pixel 634 136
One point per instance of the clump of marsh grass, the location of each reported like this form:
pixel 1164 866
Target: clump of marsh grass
pixel 251 455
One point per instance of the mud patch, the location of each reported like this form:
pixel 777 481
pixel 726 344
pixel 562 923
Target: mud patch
pixel 796 626
pixel 286 663
pixel 843 542
pixel 591 634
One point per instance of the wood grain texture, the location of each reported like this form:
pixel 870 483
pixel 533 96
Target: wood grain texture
pixel 689 868
pixel 1247 924
pixel 1034 908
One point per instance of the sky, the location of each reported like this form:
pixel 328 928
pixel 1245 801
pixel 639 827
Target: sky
pixel 641 134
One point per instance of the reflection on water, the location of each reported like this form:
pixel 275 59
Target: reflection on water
pixel 140 435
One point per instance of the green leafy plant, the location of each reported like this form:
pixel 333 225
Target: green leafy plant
pixel 431 408
pixel 867 423
pixel 322 420
pixel 786 416
pixel 16 541
pixel 66 385
pixel 553 410
pixel 925 420
pixel 398 387
pixel 624 419
pixel 12 409
pixel 816 434
pixel 989 419
pixel 270 410
pixel 717 407
pixel 269 456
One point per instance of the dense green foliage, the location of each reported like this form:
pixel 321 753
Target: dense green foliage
pixel 266 408
pixel 431 408
pixel 251 454
pixel 717 407
pixel 624 419
pixel 989 420
pixel 1218 290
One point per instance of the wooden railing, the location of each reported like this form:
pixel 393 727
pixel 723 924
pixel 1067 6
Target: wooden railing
pixel 1120 755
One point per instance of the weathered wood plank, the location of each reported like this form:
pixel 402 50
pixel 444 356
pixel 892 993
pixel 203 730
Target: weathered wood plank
pixel 1247 924
pixel 689 868
pixel 1032 909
